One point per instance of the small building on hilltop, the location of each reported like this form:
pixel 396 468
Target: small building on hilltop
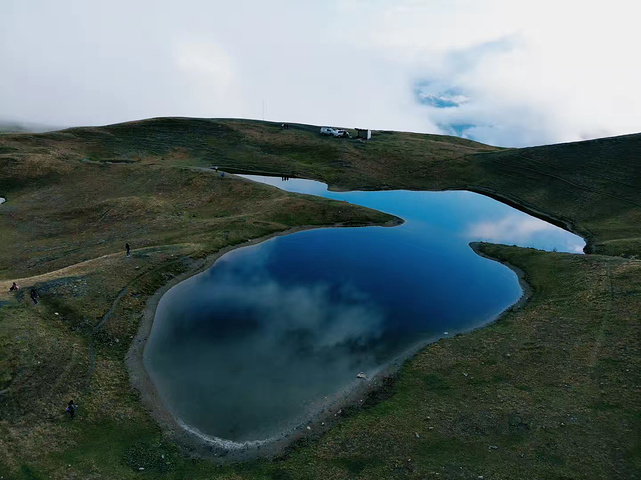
pixel 363 133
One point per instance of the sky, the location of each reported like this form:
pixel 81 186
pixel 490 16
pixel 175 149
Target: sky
pixel 508 73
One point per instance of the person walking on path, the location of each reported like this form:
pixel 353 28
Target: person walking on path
pixel 128 248
pixel 71 408
pixel 14 287
pixel 34 296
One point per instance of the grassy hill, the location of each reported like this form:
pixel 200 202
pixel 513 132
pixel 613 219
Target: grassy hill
pixel 554 386
pixel 594 185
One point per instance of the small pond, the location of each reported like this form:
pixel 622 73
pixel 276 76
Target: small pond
pixel 247 349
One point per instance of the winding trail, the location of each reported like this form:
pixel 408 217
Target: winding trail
pixel 112 309
pixel 600 337
pixel 79 269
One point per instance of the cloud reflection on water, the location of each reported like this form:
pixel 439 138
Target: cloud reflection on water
pixel 521 229
pixel 334 315
pixel 242 350
pixel 258 348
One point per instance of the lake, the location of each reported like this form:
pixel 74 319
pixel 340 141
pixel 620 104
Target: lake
pixel 250 348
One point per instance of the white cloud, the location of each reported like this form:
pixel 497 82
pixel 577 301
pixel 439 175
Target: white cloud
pixel 521 72
pixel 534 72
pixel 207 61
pixel 211 75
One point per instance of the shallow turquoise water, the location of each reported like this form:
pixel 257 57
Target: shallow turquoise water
pixel 243 350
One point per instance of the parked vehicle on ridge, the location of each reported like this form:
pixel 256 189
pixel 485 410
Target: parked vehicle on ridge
pixel 328 131
pixel 334 132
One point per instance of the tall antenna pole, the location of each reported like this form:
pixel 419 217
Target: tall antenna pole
pixel 263 110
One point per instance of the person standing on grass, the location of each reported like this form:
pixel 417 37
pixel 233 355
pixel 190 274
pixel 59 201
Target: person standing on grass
pixel 34 296
pixel 128 248
pixel 71 408
pixel 14 287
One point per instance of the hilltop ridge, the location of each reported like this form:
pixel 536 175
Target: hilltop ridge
pixel 581 184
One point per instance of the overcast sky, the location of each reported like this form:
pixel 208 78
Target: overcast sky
pixel 508 73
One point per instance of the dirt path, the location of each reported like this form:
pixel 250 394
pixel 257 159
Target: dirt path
pixel 110 312
pixel 85 267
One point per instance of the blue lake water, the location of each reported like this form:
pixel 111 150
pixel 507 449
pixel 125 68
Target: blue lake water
pixel 246 349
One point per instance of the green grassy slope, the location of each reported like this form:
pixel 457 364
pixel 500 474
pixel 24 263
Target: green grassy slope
pixel 260 146
pixel 554 386
pixel 91 210
pixel 596 184
pixel 63 208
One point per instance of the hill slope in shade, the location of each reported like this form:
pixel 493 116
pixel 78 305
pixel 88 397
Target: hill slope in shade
pixel 595 183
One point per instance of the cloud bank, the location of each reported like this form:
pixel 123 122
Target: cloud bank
pixel 506 73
